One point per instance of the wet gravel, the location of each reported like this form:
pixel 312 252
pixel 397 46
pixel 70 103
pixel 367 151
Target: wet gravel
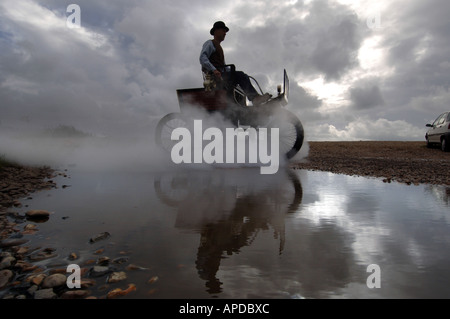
pixel 22 276
pixel 17 182
pixel 404 162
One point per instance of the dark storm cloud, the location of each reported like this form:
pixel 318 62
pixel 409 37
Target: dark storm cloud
pixel 365 96
pixel 325 40
pixel 304 105
pixel 336 44
pixel 418 47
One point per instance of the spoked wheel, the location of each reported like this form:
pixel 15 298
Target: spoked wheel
pixel 172 189
pixel 291 132
pixel 165 127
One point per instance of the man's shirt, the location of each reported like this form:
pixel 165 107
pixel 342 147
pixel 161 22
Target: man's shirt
pixel 208 50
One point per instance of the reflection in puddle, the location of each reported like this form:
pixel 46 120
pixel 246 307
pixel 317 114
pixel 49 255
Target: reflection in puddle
pixel 234 233
pixel 229 209
pixel 400 228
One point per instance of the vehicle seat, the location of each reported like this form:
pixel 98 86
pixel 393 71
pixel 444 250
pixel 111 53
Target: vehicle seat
pixel 235 93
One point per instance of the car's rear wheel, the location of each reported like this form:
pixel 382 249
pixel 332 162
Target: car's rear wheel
pixel 445 145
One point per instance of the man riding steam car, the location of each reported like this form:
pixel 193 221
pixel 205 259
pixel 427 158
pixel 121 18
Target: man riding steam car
pixel 212 60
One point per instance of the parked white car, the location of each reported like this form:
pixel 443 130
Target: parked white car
pixel 439 132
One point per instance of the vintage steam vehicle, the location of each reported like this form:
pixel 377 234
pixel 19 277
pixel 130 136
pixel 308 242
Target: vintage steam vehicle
pixel 231 102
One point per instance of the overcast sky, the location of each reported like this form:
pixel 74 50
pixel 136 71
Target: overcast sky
pixel 375 70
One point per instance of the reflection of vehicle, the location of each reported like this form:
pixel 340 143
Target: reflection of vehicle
pixel 231 102
pixel 439 132
pixel 229 208
pixel 441 193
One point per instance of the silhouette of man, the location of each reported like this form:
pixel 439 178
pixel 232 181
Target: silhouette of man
pixel 212 60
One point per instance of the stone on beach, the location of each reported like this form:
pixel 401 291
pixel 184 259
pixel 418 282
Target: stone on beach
pixel 54 280
pixel 98 237
pixel 37 215
pixel 12 242
pixel 117 276
pixel 98 271
pixel 118 292
pixel 45 294
pixel 75 294
pixel 5 277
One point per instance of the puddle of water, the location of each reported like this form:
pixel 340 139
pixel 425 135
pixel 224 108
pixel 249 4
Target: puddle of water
pixel 234 233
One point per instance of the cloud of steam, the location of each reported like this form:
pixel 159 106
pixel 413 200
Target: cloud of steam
pixel 253 147
pixel 59 149
pixel 67 146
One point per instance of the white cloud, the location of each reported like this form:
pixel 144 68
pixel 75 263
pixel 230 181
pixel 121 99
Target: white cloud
pixel 368 129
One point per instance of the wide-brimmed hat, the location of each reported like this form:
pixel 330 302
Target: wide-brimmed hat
pixel 218 25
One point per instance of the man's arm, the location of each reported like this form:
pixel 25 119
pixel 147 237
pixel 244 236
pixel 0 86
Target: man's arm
pixel 207 49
